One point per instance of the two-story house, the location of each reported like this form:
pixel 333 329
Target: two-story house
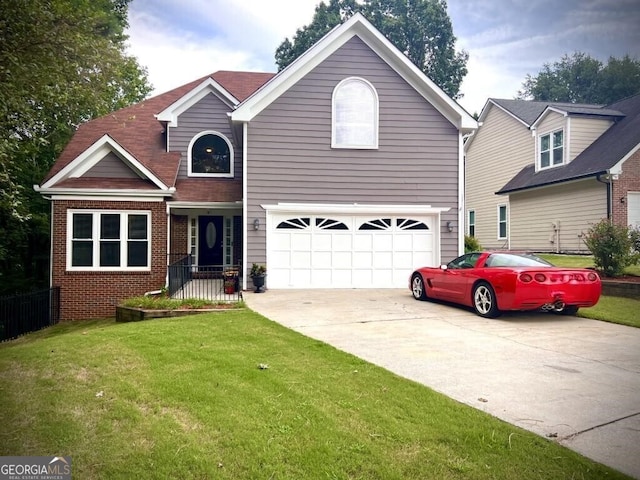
pixel 344 170
pixel 538 174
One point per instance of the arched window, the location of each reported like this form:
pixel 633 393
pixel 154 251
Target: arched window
pixel 210 155
pixel 354 111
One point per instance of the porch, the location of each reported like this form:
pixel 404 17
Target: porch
pixel 218 283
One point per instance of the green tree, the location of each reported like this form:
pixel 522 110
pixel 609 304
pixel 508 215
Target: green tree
pixel 580 78
pixel 62 62
pixel 421 29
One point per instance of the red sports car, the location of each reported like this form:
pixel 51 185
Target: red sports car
pixel 491 282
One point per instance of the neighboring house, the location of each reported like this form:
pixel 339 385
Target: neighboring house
pixel 344 170
pixel 539 175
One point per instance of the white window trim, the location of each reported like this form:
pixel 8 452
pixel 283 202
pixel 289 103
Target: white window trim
pixel 550 133
pixel 96 240
pixel 469 224
pixel 210 175
pixel 506 221
pixel 334 143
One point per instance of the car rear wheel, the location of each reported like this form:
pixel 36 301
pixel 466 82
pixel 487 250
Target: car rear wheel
pixel 417 287
pixel 569 310
pixel 484 301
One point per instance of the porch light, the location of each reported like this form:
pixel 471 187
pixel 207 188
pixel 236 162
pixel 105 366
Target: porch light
pixel 449 227
pixel 256 224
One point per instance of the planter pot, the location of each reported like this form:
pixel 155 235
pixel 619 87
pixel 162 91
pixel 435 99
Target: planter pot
pixel 258 282
pixel 230 289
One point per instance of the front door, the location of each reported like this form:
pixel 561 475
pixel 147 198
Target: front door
pixel 210 238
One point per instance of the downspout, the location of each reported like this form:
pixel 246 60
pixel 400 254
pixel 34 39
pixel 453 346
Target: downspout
pixel 244 204
pixel 607 182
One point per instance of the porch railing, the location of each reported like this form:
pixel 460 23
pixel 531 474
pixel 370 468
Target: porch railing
pixel 208 282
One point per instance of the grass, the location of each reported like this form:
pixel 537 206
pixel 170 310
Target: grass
pixel 185 398
pixel 581 261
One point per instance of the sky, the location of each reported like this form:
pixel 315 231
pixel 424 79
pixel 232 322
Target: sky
pixel 180 41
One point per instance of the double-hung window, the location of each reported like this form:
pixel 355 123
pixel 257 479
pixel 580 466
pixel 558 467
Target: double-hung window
pixel 354 115
pixel 471 224
pixel 551 149
pixel 108 240
pixel 502 222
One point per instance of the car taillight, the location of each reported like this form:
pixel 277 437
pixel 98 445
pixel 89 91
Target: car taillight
pixel 540 277
pixel 525 278
pixel 592 277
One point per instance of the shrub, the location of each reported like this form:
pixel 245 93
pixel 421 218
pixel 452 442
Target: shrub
pixel 612 246
pixel 471 244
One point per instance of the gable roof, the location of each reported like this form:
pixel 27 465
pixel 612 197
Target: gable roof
pixel 136 130
pixel 358 26
pixel 604 155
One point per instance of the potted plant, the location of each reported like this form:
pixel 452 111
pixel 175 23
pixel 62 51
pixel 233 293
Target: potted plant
pixel 258 273
pixel 230 281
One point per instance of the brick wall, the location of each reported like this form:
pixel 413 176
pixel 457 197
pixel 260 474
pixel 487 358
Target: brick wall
pixel 179 235
pixel 96 294
pixel 628 181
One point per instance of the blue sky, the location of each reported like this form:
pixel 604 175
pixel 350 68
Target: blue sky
pixel 506 39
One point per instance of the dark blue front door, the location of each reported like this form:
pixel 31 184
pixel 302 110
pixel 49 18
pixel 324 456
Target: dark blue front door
pixel 210 237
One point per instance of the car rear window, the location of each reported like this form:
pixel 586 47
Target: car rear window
pixel 513 260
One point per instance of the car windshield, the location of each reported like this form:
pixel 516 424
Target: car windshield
pixel 515 260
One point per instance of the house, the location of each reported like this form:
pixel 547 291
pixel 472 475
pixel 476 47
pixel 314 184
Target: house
pixel 344 170
pixel 539 175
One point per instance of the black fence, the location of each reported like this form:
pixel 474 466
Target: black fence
pixel 28 312
pixel 207 282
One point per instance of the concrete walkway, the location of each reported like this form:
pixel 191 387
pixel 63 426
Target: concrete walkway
pixel 573 380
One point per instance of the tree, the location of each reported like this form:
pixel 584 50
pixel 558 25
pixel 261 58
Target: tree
pixel 421 29
pixel 62 62
pixel 580 78
pixel 613 247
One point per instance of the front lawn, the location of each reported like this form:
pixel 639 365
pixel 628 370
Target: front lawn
pixel 580 261
pixel 232 395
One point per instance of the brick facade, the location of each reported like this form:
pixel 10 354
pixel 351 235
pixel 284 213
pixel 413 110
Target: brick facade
pixel 96 294
pixel 179 235
pixel 628 181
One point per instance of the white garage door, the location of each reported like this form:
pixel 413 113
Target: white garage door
pixel 355 251
pixel 633 209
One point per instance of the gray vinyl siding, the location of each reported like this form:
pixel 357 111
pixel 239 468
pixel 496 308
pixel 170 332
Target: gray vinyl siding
pixel 290 158
pixel 501 148
pixel 210 113
pixel 111 166
pixel 583 132
pixel 574 205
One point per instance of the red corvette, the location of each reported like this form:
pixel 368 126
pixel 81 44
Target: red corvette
pixel 492 282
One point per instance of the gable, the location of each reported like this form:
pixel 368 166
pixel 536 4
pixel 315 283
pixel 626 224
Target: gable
pixel 356 26
pixel 107 160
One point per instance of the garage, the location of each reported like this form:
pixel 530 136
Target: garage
pixel 633 209
pixel 361 248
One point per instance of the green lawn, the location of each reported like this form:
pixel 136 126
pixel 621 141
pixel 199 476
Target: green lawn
pixel 582 261
pixel 185 398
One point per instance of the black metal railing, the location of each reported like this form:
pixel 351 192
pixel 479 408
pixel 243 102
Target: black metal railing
pixel 28 312
pixel 179 273
pixel 208 282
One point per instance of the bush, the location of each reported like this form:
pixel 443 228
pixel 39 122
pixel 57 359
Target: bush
pixel 613 247
pixel 471 244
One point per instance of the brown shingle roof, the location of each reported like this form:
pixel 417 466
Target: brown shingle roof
pixel 137 130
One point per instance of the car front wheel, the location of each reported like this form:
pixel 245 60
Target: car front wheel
pixel 417 287
pixel 484 301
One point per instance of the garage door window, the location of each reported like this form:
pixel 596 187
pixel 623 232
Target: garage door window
pixel 304 222
pixel 387 224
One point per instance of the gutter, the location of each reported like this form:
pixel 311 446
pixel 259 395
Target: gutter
pixel 607 182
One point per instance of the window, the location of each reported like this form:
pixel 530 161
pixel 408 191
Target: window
pixel 108 240
pixel 551 149
pixel 210 155
pixel 471 224
pixel 502 222
pixel 354 115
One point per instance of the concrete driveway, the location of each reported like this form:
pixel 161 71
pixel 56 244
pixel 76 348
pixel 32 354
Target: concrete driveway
pixel 569 379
